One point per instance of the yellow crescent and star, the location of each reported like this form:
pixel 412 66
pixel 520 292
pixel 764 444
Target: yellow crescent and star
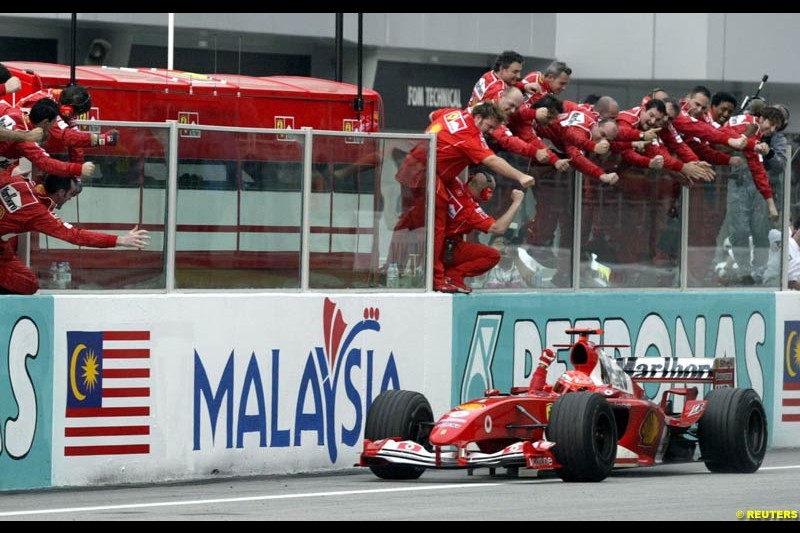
pixel 792 354
pixel 90 372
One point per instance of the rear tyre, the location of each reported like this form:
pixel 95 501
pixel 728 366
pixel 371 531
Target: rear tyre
pixel 733 431
pixel 401 414
pixel 583 428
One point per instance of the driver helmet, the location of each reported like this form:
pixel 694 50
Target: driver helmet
pixel 572 381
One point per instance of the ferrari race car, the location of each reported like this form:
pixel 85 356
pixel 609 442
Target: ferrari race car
pixel 594 418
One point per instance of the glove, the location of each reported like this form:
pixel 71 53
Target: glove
pixel 547 357
pixel 110 138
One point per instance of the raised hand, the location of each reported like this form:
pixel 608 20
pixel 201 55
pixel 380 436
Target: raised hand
pixel 547 358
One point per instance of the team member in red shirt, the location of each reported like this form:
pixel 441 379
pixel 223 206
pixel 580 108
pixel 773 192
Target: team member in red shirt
pixel 464 259
pixel 459 142
pixel 699 134
pixel 722 107
pixel 575 133
pixel 25 207
pixel 572 134
pixel 635 124
pixel 751 209
pixel 522 136
pixel 74 102
pixel 756 127
pixel 553 80
pixel 506 73
pixel 8 85
pixel 44 115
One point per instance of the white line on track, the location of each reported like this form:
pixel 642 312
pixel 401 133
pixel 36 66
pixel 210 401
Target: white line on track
pixel 788 467
pixel 244 499
pixel 281 497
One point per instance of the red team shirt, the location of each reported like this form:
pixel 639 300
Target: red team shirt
pixel 459 142
pixel 66 133
pixel 755 163
pixel 572 134
pixel 463 213
pixel 668 140
pixel 537 77
pixel 11 152
pixel 487 88
pixel 24 207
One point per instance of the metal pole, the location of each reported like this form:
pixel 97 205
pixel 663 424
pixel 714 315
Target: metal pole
pixel 577 249
pixel 305 244
pixel 430 221
pixel 684 249
pixel 786 220
pixel 358 104
pixel 170 41
pixel 172 204
pixel 339 40
pixel 74 51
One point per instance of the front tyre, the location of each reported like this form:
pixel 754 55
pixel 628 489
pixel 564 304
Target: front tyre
pixel 583 428
pixel 402 414
pixel 733 431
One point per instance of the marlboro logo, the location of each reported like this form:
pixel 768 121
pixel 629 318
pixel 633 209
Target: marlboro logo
pixel 669 368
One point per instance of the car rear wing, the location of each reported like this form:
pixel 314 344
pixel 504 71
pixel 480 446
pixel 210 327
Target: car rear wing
pixel 719 371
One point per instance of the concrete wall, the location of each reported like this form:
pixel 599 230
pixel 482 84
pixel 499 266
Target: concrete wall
pixel 129 388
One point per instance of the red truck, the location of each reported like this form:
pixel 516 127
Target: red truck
pixel 234 171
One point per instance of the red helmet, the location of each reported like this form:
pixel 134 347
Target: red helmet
pixel 572 381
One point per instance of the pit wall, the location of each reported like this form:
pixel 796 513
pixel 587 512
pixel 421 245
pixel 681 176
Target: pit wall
pixel 121 389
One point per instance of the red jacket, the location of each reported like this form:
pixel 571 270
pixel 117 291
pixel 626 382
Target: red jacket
pixel 755 163
pixel 11 152
pixel 67 134
pixel 24 207
pixel 572 134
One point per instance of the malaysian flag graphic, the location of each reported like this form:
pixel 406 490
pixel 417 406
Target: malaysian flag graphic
pixel 108 393
pixel 790 408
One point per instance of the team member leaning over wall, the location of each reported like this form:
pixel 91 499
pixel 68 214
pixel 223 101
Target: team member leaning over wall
pixel 25 207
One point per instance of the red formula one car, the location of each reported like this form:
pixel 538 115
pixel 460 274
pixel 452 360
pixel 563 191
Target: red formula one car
pixel 593 419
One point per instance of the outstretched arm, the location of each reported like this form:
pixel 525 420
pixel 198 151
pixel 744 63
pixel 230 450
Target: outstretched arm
pixel 501 166
pixel 136 238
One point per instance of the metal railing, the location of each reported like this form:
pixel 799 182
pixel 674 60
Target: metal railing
pixel 306 210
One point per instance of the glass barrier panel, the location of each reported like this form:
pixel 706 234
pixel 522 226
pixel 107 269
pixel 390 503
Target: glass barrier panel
pixel 239 211
pixel 126 190
pixel 732 241
pixel 536 249
pixel 367 213
pixel 631 231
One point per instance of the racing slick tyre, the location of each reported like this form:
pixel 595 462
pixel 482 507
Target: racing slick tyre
pixel 583 428
pixel 733 431
pixel 406 415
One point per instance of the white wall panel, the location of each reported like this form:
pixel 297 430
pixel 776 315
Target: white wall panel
pixel 681 46
pixel 606 45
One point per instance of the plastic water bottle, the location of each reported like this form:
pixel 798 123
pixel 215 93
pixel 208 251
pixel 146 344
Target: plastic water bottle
pixel 61 277
pixel 537 278
pixel 53 274
pixel 392 276
pixel 67 275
